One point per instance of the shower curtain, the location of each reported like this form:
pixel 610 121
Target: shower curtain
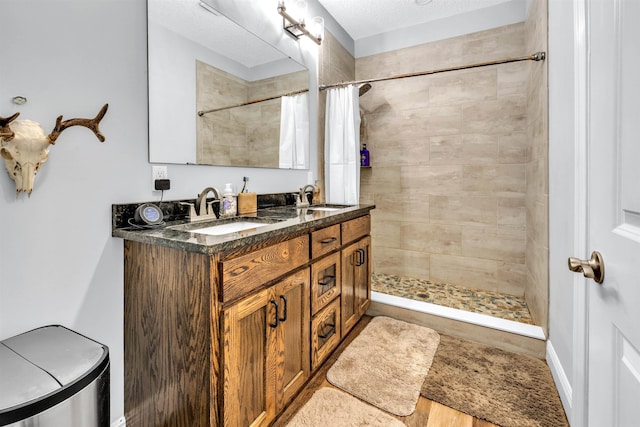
pixel 342 146
pixel 294 132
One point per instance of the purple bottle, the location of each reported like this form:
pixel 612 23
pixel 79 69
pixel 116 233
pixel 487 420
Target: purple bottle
pixel 364 156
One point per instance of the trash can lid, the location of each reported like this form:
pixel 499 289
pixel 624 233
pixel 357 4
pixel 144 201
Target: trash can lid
pixel 63 353
pixel 20 380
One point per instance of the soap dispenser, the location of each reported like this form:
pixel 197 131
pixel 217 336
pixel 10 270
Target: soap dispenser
pixel 229 204
pixel 364 156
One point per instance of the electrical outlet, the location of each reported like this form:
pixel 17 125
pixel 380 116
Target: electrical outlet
pixel 158 172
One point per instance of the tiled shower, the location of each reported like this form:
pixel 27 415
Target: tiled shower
pixel 459 166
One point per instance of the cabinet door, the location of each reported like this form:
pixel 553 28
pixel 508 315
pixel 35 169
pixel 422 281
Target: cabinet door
pixel 249 383
pixel 363 278
pixel 356 282
pixel 291 352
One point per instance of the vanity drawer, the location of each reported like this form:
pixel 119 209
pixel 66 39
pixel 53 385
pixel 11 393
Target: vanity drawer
pixel 325 240
pixel 325 333
pixel 245 273
pixel 326 281
pixel 356 228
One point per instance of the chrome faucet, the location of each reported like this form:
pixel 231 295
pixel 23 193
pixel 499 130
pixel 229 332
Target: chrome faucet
pixel 303 201
pixel 205 209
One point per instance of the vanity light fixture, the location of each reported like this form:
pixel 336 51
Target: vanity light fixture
pixel 298 28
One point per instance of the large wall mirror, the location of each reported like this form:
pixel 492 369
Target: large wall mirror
pixel 219 95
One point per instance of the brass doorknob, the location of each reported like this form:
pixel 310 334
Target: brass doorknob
pixel 592 268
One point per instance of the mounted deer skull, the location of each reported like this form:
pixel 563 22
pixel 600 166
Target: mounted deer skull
pixel 25 148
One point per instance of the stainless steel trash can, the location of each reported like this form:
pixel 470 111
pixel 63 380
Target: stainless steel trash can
pixel 53 377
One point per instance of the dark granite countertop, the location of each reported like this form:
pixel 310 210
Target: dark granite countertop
pixel 274 223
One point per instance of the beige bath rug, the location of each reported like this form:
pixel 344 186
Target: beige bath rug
pixel 331 407
pixel 386 364
pixel 504 388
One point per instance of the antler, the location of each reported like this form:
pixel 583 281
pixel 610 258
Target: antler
pixel 88 123
pixel 5 131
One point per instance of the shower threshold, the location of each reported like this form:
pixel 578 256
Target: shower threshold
pixel 488 309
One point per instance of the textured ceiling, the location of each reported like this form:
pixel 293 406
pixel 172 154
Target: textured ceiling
pixel 364 18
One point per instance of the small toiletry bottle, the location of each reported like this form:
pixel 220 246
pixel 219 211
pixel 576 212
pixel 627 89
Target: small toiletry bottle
pixel 229 204
pixel 364 156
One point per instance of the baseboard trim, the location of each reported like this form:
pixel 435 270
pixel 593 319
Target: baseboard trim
pixel 563 385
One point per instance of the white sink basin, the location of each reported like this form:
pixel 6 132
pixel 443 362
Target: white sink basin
pixel 324 208
pixel 228 228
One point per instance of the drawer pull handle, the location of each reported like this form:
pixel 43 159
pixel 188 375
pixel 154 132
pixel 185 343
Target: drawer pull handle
pixel 330 329
pixel 275 324
pixel 284 309
pixel 327 280
pixel 329 240
pixel 360 257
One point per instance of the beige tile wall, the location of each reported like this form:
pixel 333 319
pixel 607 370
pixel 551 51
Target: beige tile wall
pixel 537 195
pixel 459 173
pixel 246 135
pixel 450 156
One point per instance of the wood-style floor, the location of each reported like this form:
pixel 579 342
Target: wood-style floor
pixel 427 414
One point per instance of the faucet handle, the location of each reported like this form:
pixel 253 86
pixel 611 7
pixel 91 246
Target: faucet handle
pixel 192 209
pixel 210 210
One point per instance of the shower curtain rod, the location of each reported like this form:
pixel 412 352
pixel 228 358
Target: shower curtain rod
pixel 538 56
pixel 254 101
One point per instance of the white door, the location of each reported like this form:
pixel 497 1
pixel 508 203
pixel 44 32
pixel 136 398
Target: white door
pixel 613 132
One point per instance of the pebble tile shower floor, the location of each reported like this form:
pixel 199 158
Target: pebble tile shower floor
pixel 494 304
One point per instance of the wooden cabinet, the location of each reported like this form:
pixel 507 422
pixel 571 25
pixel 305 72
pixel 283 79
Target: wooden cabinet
pixel 356 282
pixel 340 283
pixel 202 343
pixel 266 351
pixel 229 338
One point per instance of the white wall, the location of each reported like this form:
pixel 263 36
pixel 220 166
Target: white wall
pixel 562 134
pixel 58 261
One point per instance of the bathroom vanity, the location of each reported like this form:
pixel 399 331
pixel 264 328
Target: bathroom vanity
pixel 225 329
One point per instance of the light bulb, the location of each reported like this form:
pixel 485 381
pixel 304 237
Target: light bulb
pixel 317 27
